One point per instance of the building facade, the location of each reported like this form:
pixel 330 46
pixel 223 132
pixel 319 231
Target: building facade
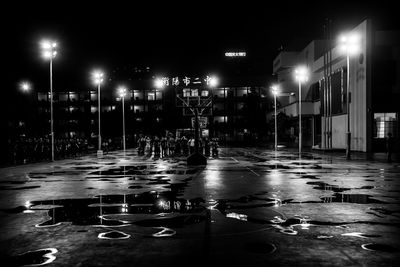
pixel 373 87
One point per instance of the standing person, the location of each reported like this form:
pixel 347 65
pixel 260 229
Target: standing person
pixel 184 145
pixel 389 147
pixel 206 147
pixel 214 145
pixel 163 146
pixel 177 146
pixel 191 144
pixel 171 145
pixel 148 145
pixel 156 146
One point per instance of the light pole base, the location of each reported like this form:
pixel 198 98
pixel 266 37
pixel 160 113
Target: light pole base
pixel 196 159
pixel 99 153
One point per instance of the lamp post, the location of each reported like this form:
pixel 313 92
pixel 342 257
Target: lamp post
pixel 97 77
pixel 275 93
pixel 301 75
pixel 49 52
pixel 349 44
pixel 122 94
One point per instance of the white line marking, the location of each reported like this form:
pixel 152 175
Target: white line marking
pixel 252 171
pixel 234 159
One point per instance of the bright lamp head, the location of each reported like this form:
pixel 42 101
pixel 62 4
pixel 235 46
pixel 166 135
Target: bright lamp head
pixel 158 83
pixel 301 74
pixel 275 90
pixel 213 81
pixel 122 91
pixel 25 86
pixel 97 77
pixel 48 49
pixel 350 43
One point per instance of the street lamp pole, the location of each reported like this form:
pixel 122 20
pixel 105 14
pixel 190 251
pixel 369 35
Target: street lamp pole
pixel 276 131
pixel 349 44
pixel 300 133
pixel 99 151
pixel 275 92
pixel 51 110
pixel 122 93
pixel 348 145
pixel 49 52
pixel 97 77
pixel 301 75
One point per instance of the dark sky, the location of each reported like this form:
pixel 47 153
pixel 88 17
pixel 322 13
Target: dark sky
pixel 185 37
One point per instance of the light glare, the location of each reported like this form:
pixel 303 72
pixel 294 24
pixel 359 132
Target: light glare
pixel 301 74
pixel 349 43
pixel 122 92
pixel 159 83
pixel 213 82
pixel 97 77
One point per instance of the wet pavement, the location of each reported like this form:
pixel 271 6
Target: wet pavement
pixel 250 206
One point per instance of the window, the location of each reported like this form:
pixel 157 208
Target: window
pixel 204 93
pixel 385 123
pixel 63 97
pixel 138 108
pixel 186 92
pixel 220 119
pixel 93 96
pixel 219 93
pixel 138 95
pixel 42 96
pixel 241 91
pixel 150 96
pixel 73 96
pixel 93 109
pixel 195 92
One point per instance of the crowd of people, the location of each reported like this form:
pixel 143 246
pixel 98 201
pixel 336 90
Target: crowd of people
pixel 26 149
pixel 169 146
pixel 34 149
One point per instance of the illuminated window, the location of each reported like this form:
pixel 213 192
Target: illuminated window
pixel 138 95
pixel 204 93
pixel 219 92
pixel 186 92
pixel 93 109
pixel 385 123
pixel 195 92
pixel 241 91
pixel 73 96
pixel 220 119
pixel 93 96
pixel 151 96
pixel 138 108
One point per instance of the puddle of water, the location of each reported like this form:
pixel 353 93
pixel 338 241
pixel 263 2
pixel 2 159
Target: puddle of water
pixel 328 187
pixel 351 198
pixel 35 258
pixel 379 247
pixel 97 210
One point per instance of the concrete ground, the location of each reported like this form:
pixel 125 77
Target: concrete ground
pixel 249 207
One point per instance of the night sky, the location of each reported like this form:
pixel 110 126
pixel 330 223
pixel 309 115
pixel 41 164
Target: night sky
pixel 173 39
